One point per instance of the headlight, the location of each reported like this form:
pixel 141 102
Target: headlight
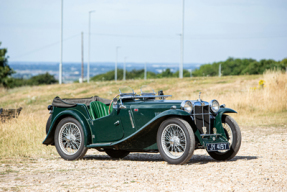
pixel 214 105
pixel 186 106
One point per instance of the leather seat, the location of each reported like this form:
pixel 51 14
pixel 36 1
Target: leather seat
pixel 98 109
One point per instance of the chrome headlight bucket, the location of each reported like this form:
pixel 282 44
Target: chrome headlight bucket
pixel 186 106
pixel 214 105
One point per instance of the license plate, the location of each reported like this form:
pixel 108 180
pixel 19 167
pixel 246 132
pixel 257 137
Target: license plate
pixel 217 146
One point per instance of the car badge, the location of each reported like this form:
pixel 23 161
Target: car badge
pixel 136 110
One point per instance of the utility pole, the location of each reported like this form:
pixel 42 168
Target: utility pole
pixel 61 47
pixel 88 72
pixel 219 70
pixel 82 58
pixel 145 71
pixel 182 34
pixel 116 64
pixel 124 75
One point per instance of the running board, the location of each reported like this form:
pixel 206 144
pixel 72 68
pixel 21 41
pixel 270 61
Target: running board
pixel 93 145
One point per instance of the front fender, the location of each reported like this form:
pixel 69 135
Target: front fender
pixel 177 112
pixel 218 120
pixel 69 113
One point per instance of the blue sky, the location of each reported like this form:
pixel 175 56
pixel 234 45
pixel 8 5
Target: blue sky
pixel 146 30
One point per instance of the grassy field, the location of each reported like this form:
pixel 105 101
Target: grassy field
pixel 257 105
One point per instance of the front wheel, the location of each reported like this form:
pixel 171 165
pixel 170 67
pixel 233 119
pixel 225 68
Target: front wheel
pixel 175 141
pixel 69 139
pixel 233 135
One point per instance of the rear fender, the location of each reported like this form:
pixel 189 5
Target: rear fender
pixel 69 113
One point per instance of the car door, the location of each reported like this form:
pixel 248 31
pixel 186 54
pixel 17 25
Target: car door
pixel 108 128
pixel 128 121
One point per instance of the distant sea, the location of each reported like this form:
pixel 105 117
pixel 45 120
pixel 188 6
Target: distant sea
pixel 72 71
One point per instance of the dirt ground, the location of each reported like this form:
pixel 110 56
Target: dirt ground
pixel 260 165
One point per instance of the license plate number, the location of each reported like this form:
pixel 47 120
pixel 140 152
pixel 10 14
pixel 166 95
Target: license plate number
pixel 217 146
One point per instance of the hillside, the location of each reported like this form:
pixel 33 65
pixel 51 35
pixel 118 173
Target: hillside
pixel 256 106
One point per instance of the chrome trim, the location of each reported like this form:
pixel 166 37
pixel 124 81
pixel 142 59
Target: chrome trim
pixel 122 106
pixel 132 122
pixel 201 104
pixel 173 107
pixel 209 120
pixel 147 96
pixel 193 109
pixel 202 117
pixel 202 113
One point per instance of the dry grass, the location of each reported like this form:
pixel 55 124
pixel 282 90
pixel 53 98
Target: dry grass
pixel 23 137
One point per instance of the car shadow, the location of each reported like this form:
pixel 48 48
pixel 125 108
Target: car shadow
pixel 130 157
pixel 196 159
pixel 204 159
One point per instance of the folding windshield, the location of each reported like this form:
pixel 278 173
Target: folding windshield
pixel 126 90
pixel 147 90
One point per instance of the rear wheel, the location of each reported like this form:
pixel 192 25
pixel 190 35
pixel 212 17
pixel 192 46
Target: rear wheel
pixel 69 139
pixel 116 154
pixel 233 135
pixel 175 141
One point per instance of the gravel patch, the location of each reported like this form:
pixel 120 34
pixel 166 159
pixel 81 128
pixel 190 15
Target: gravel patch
pixel 260 165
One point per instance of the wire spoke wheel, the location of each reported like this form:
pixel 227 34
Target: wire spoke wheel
pixel 70 138
pixel 233 135
pixel 173 141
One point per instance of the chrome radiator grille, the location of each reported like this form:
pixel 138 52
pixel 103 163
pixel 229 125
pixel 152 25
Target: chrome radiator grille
pixel 201 115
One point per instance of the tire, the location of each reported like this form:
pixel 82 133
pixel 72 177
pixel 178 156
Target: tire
pixel 116 154
pixel 175 141
pixel 72 146
pixel 48 124
pixel 235 140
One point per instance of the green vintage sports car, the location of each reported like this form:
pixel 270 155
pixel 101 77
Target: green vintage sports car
pixel 142 123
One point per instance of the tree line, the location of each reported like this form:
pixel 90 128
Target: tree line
pixel 137 74
pixel 232 66
pixel 236 66
pixel 8 82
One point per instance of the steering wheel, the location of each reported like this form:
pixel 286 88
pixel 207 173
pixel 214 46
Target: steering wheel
pixel 112 102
